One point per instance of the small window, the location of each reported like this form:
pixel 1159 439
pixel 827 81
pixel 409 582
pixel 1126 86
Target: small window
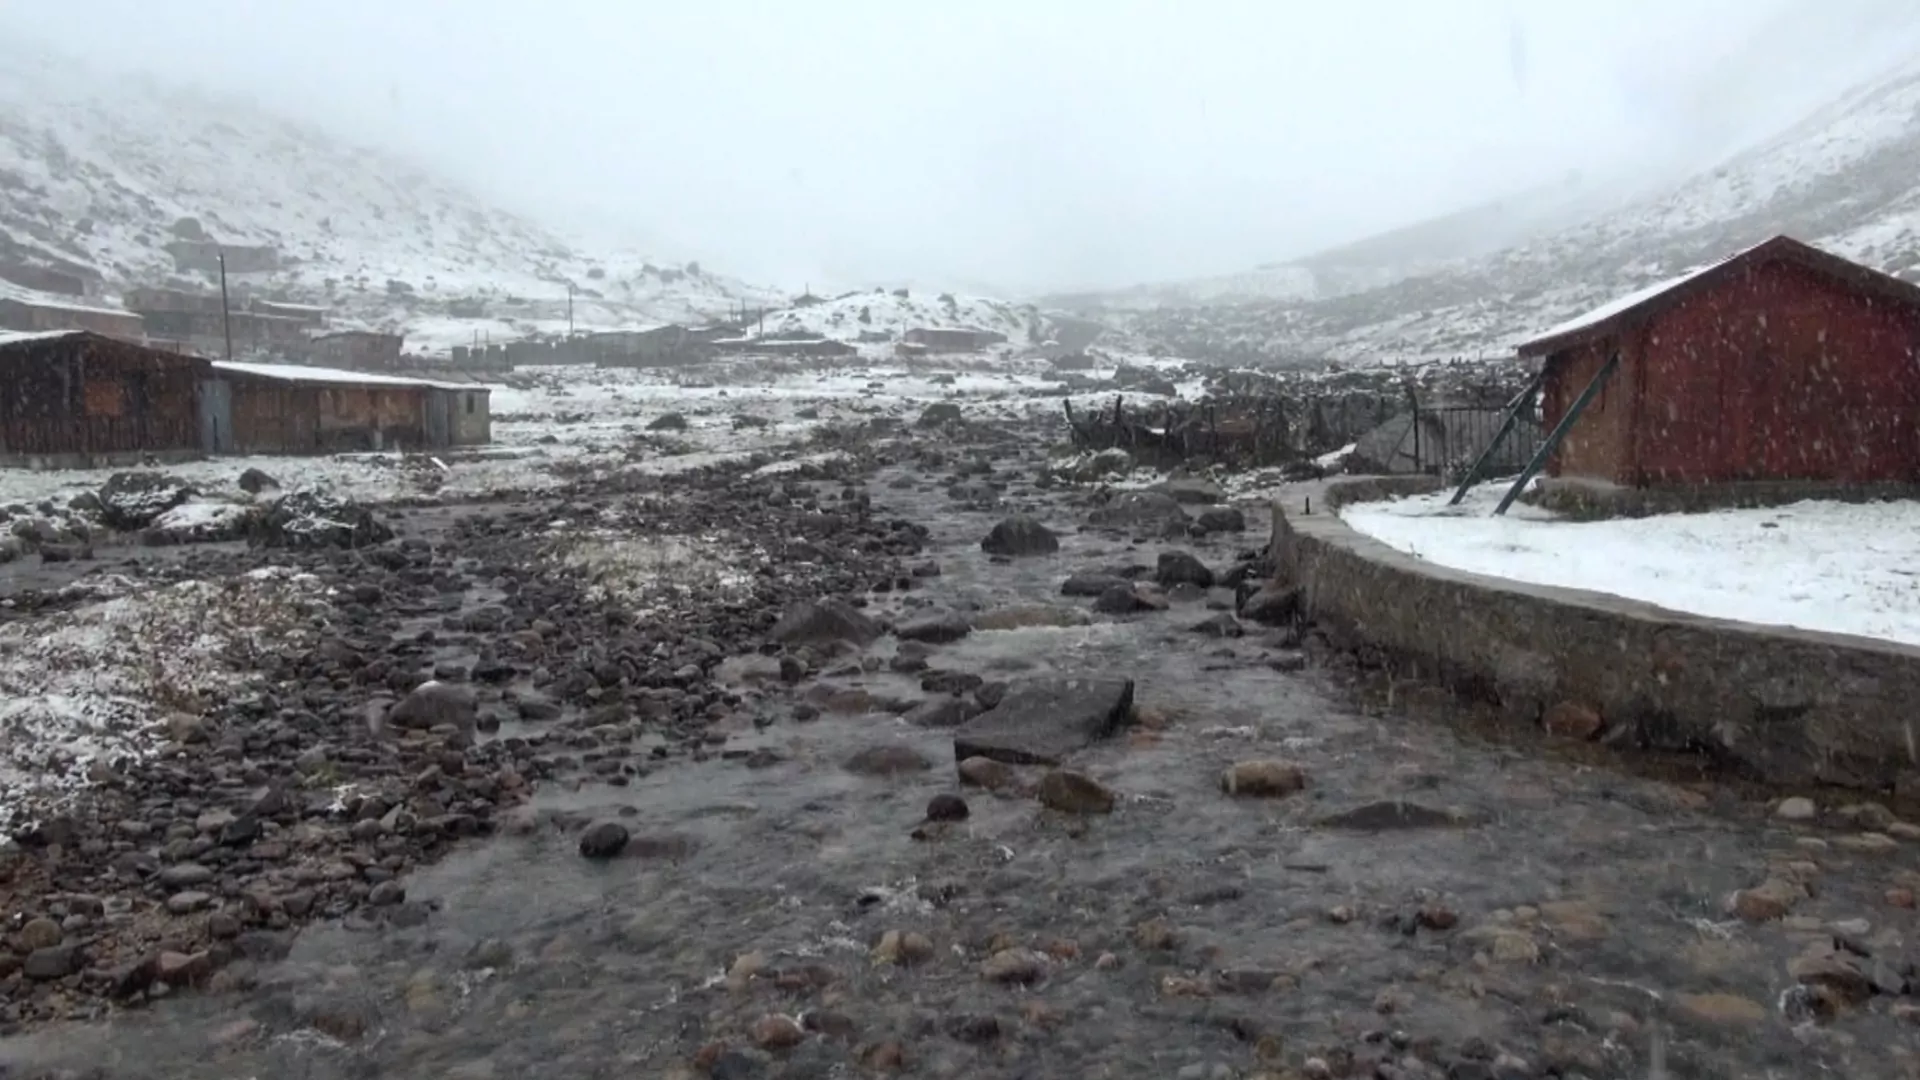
pixel 470 401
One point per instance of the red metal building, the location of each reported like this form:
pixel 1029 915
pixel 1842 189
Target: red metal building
pixel 1782 362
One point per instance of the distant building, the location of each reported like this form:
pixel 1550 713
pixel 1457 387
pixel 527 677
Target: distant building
pixel 942 339
pixel 1780 363
pixel 47 279
pixel 782 346
pixel 358 350
pixel 203 257
pixel 298 409
pixel 78 399
pixel 36 315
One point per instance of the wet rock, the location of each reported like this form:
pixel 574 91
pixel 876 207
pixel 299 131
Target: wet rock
pixel 1020 535
pixel 1223 519
pixel 1191 492
pixel 1014 966
pixel 52 962
pixel 1182 568
pixel 1131 599
pixel 947 807
pixel 982 772
pixel 1771 899
pixel 1391 814
pixel 604 840
pixel 672 421
pixel 1074 793
pixel 1028 617
pixel 1266 778
pixel 1796 808
pixel 1572 720
pixel 940 712
pixel 938 413
pixel 905 947
pixel 132 500
pixel 433 704
pixel 42 933
pixel 254 481
pixel 1092 584
pixel 1139 510
pixel 1272 605
pixel 311 520
pixel 824 622
pixel 1222 625
pixel 1041 721
pixel 940 629
pixel 1835 972
pixel 889 760
pixel 884 1057
pixel 1720 1010
pixel 777 1032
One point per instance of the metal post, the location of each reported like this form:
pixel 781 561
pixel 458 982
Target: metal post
pixel 1552 441
pixel 226 318
pixel 569 309
pixel 1520 403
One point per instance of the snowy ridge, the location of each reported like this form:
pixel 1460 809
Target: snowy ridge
pixel 99 173
pixel 881 314
pixel 1845 179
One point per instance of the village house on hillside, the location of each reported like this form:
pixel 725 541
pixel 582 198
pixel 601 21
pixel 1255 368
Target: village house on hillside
pixel 35 314
pixel 950 340
pixel 358 350
pixel 76 399
pixel 1781 363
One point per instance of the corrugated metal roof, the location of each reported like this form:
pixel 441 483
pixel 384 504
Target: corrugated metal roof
pixel 335 376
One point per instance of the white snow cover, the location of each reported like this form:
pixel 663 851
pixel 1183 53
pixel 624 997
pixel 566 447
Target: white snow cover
pixel 1836 567
pixel 893 315
pixel 306 373
pixel 96 684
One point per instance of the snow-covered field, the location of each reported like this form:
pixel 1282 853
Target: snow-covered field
pixel 117 680
pixel 1837 567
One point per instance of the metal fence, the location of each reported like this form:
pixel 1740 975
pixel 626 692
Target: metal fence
pixel 1443 441
pixel 1244 432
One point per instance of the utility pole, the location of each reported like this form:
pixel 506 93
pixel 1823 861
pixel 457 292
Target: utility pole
pixel 569 309
pixel 226 316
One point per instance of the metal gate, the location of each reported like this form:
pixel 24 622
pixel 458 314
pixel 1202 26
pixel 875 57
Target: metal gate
pixel 216 416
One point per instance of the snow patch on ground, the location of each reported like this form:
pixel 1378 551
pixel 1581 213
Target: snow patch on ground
pixel 93 686
pixel 654 575
pixel 1837 567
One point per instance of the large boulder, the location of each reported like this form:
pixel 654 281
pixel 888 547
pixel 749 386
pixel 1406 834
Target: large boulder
pixel 824 622
pixel 317 519
pixel 131 500
pixel 435 704
pixel 1020 535
pixel 1043 721
pixel 1182 568
pixel 1192 492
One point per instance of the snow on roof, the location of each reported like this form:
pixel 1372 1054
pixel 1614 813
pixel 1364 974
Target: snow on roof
pixel 49 300
pixel 1639 296
pixel 304 373
pixel 15 337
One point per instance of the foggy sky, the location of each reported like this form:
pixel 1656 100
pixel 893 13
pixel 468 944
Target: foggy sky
pixel 1011 145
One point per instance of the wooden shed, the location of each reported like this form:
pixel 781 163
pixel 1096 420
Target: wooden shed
pixel 295 409
pixel 1780 363
pixel 76 399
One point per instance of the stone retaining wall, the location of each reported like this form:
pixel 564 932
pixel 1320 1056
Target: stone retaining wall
pixel 1781 705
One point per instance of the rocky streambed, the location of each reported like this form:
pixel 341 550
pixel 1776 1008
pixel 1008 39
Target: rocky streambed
pixel 912 762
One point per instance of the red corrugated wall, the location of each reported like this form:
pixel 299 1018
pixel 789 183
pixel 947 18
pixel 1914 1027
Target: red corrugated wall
pixel 1780 373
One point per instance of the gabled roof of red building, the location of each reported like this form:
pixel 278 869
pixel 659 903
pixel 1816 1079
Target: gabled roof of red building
pixel 1637 307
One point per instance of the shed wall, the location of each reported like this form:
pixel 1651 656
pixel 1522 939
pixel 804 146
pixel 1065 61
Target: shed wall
pixel 1780 374
pixel 1596 447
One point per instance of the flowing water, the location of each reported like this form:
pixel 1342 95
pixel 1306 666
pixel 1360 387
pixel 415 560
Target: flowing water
pixel 1188 934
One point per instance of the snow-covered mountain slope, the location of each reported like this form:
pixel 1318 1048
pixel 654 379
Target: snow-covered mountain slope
pixel 104 172
pixel 882 314
pixel 1846 178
